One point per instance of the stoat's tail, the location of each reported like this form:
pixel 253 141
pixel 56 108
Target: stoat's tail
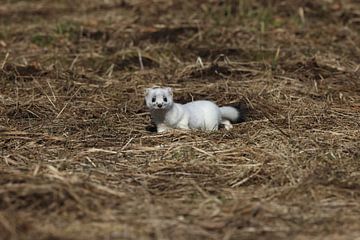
pixel 234 115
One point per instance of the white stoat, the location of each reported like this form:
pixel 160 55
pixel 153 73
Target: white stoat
pixel 204 115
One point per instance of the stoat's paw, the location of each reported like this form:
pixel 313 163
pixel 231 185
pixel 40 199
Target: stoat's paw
pixel 162 128
pixel 227 124
pixel 228 127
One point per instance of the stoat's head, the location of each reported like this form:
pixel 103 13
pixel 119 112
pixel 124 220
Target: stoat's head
pixel 159 98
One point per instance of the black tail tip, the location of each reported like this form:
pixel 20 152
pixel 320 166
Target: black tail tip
pixel 243 110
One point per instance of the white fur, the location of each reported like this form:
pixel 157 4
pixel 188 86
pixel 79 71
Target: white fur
pixel 230 113
pixel 203 115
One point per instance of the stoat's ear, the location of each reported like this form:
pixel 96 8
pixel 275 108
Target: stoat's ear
pixel 169 90
pixel 147 91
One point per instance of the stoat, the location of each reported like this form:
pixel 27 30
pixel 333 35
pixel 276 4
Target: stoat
pixel 203 115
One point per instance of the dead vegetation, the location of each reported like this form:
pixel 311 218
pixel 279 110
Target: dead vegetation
pixel 79 159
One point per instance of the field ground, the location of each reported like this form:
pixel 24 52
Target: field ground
pixel 78 157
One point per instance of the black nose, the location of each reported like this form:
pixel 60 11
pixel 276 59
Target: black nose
pixel 159 105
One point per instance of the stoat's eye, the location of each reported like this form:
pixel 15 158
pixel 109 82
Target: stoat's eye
pixel 165 99
pixel 153 99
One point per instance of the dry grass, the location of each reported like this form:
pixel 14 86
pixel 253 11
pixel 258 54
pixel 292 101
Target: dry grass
pixel 78 159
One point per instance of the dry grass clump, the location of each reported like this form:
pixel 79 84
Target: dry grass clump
pixel 80 158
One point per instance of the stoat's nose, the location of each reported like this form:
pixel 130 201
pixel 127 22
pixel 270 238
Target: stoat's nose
pixel 159 105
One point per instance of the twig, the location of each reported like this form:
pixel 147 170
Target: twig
pixel 57 116
pixel 4 62
pixel 140 60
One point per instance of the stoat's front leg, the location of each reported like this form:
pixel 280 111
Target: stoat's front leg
pixel 161 127
pixel 183 126
pixel 183 122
